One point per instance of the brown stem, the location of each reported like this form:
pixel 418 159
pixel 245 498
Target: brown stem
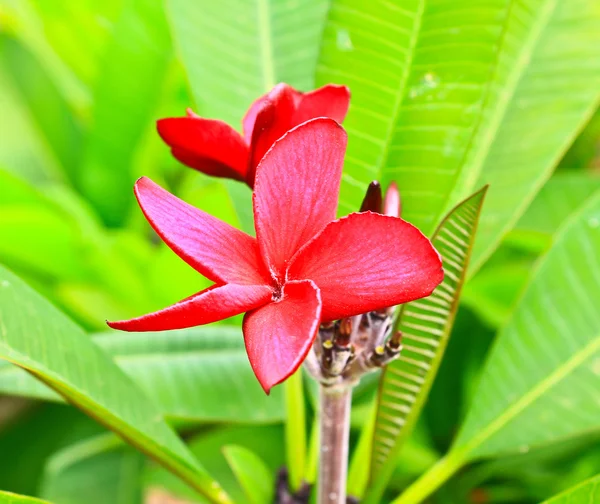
pixel 334 432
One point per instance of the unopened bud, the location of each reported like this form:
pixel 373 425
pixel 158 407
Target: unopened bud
pixel 392 204
pixel 344 332
pixel 373 198
pixel 395 342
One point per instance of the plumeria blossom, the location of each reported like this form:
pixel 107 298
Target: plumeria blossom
pixel 215 148
pixel 304 267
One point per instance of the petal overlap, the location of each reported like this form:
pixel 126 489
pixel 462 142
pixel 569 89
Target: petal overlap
pixel 219 251
pixel 279 335
pixel 296 190
pixel 210 305
pixel 368 261
pixel 210 146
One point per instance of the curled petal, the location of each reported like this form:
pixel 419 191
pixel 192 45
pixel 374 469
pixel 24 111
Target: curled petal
pixel 328 101
pixel 279 335
pixel 273 117
pixel 219 251
pixel 368 261
pixel 210 305
pixel 297 188
pixel 207 145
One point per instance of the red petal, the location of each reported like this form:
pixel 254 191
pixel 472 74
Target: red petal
pixel 328 101
pixel 272 119
pixel 368 261
pixel 279 335
pixel 207 145
pixel 210 305
pixel 297 188
pixel 212 247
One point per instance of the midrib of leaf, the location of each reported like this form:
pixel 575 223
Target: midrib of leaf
pixel 471 172
pixel 543 386
pixel 402 89
pixel 457 456
pixel 266 44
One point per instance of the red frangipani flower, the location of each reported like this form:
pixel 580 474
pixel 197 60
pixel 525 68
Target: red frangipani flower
pixel 215 148
pixel 303 267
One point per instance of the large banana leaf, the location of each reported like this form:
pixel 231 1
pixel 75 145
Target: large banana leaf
pixel 199 374
pixel 546 86
pixel 425 326
pixel 587 492
pixel 418 72
pixel 37 337
pixel 540 383
pixel 11 498
pixel 236 50
pixel 449 96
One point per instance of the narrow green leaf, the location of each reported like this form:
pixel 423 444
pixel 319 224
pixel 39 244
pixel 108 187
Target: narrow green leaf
pixel 295 429
pixel 256 479
pixel 236 50
pixel 132 72
pixel 587 492
pixel 418 72
pixel 38 338
pixel 540 381
pixel 199 375
pixel 425 326
pixel 359 471
pixel 265 441
pixel 11 498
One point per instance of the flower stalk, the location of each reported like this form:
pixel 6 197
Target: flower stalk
pixel 335 404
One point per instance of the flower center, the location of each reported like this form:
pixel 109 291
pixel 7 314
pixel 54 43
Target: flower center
pixel 277 292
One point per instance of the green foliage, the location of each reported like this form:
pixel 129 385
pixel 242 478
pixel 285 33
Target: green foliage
pixel 235 51
pixel 11 498
pixel 38 338
pixel 254 476
pixel 447 96
pixel 171 366
pixel 425 326
pixel 586 492
pixel 543 367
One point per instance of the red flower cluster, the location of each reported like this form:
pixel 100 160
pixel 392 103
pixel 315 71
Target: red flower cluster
pixel 215 148
pixel 304 267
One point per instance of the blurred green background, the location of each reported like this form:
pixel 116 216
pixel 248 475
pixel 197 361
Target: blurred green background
pixel 81 86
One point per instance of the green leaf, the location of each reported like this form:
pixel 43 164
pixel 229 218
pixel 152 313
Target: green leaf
pixel 254 476
pixel 172 367
pixel 425 326
pixel 546 86
pixel 418 72
pixel 450 96
pixel 38 338
pixel 128 86
pixel 265 441
pixel 96 470
pixel 236 50
pixel 587 492
pixel 47 108
pixel 295 429
pixel 11 498
pixel 558 199
pixel 540 382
